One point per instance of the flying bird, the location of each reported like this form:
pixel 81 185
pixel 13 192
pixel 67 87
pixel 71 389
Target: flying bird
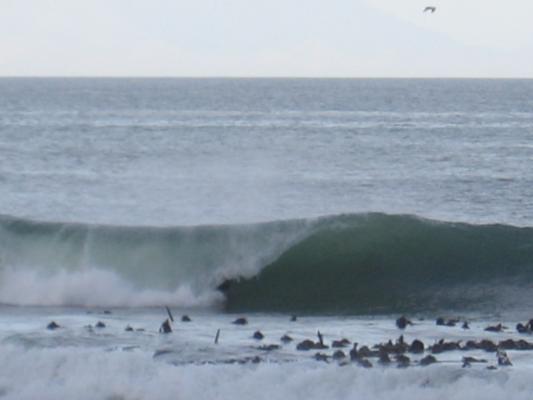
pixel 429 8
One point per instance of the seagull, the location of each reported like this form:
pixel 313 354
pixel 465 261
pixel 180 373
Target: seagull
pixel 429 8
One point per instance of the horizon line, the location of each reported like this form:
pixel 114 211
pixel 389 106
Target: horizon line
pixel 258 77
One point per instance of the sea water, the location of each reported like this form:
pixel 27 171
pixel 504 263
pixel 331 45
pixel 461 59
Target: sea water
pixel 345 202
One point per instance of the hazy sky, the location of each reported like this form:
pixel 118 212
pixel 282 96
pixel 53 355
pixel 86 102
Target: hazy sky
pixel 480 38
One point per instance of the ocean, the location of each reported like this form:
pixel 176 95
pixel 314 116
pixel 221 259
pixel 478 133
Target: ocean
pixel 346 203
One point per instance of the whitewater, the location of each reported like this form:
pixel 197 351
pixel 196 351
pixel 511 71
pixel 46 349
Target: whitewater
pixel 344 202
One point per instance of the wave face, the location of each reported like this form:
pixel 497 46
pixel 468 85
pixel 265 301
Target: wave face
pixel 362 263
pixel 52 263
pixel 381 263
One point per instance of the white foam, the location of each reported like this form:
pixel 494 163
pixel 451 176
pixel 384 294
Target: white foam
pixel 91 287
pixel 94 374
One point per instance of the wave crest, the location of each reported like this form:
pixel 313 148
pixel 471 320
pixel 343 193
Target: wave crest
pixel 339 264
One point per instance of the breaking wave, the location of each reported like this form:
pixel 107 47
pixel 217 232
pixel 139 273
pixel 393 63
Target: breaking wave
pixel 54 263
pixel 339 264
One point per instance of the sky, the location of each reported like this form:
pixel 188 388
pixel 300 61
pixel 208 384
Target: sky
pixel 248 38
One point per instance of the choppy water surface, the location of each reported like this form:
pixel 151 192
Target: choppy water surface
pixel 185 151
pixel 347 202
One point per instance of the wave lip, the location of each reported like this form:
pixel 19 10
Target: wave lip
pixel 56 263
pixel 375 263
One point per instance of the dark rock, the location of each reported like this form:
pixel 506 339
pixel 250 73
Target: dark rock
pixel 384 357
pixel 165 327
pixel 293 318
pixel 442 346
pixel 286 339
pixel 427 360
pixel 465 325
pixel 508 344
pixel 107 312
pixel 339 355
pixel 128 329
pixel 100 325
pixel 53 325
pixel 416 347
pixel 366 352
pixel 521 328
pixel 258 335
pixel 447 322
pixel 402 322
pixel 321 357
pixel 495 328
pixel 523 345
pixel 402 360
pixel 353 352
pixel 185 318
pixel 400 346
pixel 452 322
pixel 340 343
pixel 470 345
pixel 305 345
pixel 240 321
pixel 487 345
pixel 269 347
pixel 394 348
